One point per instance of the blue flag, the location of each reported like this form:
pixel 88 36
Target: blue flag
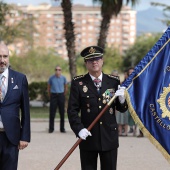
pixel 148 94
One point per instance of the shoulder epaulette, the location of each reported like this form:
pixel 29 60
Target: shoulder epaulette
pixel 78 77
pixel 114 77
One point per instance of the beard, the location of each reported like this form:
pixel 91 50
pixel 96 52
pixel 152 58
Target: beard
pixel 3 68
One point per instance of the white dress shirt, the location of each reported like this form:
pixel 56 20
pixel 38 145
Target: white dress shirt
pixel 5 73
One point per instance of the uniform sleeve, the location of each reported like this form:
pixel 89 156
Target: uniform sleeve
pixel 74 108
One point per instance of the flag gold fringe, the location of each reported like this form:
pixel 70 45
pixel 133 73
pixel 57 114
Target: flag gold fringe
pixel 144 130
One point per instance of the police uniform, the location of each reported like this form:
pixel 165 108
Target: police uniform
pixel 85 103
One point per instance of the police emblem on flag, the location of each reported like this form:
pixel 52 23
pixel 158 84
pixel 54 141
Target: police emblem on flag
pixel 164 102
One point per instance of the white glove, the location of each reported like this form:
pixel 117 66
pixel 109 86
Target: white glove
pixel 84 133
pixel 121 94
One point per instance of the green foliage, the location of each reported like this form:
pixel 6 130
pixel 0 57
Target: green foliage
pixel 112 60
pixel 38 64
pixel 40 112
pixel 10 33
pixel 141 47
pixel 38 91
pixel 81 68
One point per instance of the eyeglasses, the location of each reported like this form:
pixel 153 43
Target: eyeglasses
pixel 57 69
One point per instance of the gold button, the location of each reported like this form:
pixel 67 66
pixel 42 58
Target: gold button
pixel 87 96
pixel 100 107
pixel 99 99
pixel 101 123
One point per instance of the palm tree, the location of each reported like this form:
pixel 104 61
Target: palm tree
pixel 108 9
pixel 69 35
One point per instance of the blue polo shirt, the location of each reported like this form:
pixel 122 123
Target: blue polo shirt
pixel 57 83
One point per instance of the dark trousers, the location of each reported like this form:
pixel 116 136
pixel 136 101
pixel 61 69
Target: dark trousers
pixel 57 100
pixel 8 154
pixel 108 160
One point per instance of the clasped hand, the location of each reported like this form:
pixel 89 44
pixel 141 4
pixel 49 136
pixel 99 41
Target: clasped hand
pixel 121 94
pixel 84 133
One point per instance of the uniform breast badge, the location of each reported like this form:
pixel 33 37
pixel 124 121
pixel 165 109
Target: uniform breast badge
pixel 111 111
pixel 107 95
pixel 85 89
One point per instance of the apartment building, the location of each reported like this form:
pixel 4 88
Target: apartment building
pixel 49 20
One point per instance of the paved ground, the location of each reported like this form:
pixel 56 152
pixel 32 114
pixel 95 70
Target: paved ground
pixel 46 150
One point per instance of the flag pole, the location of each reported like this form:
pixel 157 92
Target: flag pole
pixel 89 128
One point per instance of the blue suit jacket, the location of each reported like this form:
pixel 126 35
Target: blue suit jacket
pixel 15 110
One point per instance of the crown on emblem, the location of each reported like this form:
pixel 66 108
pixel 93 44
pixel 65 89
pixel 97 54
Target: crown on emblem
pixel 92 50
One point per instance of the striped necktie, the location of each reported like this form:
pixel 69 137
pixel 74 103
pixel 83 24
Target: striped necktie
pixel 97 83
pixel 2 88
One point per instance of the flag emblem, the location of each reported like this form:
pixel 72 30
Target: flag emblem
pixel 164 102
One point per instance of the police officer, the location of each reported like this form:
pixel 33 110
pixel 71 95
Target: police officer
pixel 89 94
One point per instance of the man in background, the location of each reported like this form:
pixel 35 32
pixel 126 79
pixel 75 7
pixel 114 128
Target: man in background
pixel 14 113
pixel 57 90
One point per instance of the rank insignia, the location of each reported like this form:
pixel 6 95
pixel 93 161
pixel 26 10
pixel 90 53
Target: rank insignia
pixel 111 111
pixel 107 95
pixel 85 89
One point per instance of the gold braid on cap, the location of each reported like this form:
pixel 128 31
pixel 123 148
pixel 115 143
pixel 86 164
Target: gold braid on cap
pixel 92 56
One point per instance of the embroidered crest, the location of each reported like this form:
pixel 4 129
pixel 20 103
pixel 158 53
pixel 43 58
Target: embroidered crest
pixel 164 102
pixel 92 50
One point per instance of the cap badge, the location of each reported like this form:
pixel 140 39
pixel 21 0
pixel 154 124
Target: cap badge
pixel 92 50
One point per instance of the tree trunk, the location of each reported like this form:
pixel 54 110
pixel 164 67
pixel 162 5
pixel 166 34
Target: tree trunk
pixel 105 23
pixel 69 35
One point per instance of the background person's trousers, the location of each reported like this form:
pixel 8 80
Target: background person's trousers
pixel 57 100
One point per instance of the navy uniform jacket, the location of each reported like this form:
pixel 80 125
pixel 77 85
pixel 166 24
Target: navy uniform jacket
pixel 85 104
pixel 14 109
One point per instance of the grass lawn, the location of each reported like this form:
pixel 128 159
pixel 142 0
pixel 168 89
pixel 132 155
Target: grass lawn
pixel 39 112
pixel 42 112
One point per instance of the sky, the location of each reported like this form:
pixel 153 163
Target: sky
pixel 142 5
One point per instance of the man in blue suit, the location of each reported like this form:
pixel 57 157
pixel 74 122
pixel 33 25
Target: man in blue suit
pixel 14 113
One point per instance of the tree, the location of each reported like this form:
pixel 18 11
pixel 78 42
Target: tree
pixel 141 47
pixel 69 35
pixel 108 9
pixel 10 33
pixel 166 12
pixel 38 64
